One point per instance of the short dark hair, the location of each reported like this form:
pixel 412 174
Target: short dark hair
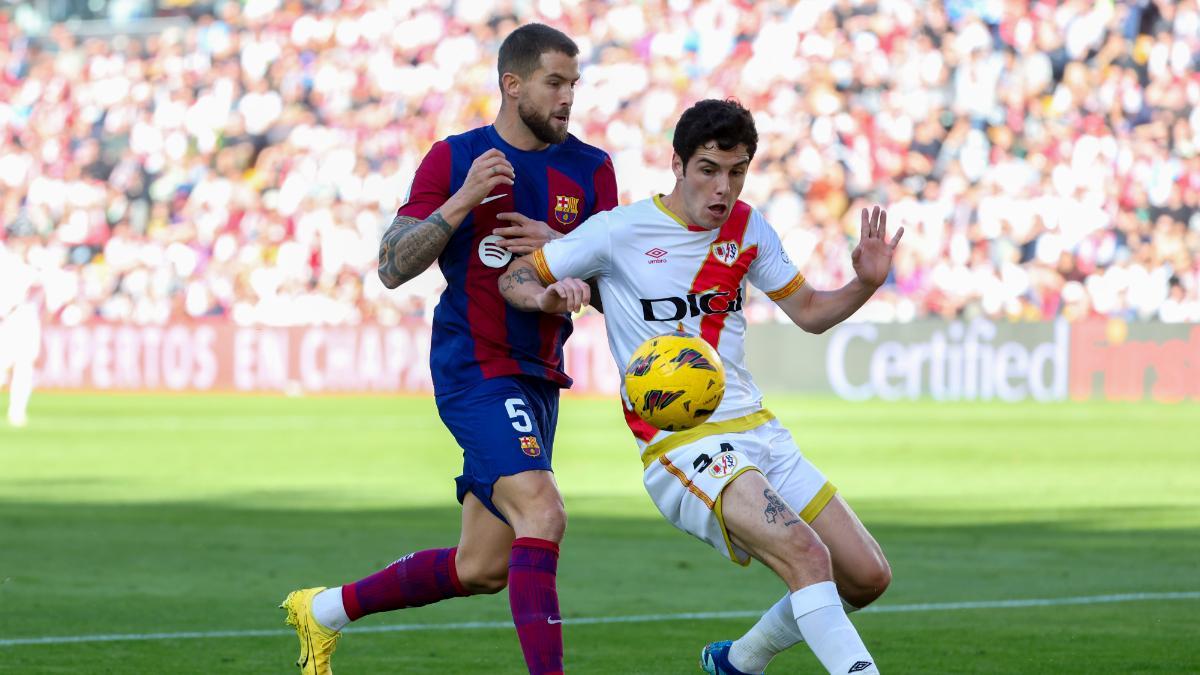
pixel 726 122
pixel 521 51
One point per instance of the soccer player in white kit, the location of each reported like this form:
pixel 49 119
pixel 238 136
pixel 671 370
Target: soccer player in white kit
pixel 737 481
pixel 20 332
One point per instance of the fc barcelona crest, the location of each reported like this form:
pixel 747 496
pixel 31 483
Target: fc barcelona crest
pixel 566 209
pixel 725 251
pixel 529 446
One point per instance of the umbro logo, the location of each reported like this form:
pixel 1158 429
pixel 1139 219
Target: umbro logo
pixel 858 666
pixel 657 255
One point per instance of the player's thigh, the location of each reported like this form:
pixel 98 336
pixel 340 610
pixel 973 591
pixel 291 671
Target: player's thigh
pixel 801 484
pixel 497 424
pixel 483 548
pixel 761 523
pixel 859 565
pixel 531 501
pixel 686 484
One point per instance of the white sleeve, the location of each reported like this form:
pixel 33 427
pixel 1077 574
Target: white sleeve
pixel 772 271
pixel 582 254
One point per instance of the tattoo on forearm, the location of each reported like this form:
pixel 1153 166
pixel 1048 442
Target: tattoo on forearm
pixel 410 246
pixel 776 508
pixel 514 278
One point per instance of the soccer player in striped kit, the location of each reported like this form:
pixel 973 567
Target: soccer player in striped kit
pixel 479 199
pixel 738 481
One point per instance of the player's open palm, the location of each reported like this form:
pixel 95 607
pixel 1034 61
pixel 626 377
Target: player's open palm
pixel 567 295
pixel 872 257
pixel 487 171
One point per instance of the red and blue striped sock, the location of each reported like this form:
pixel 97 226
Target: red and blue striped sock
pixel 417 579
pixel 533 596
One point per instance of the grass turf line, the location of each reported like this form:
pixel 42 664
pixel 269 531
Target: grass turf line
pixel 129 514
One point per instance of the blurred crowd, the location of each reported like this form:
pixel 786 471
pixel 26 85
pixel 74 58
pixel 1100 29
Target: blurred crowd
pixel 1043 157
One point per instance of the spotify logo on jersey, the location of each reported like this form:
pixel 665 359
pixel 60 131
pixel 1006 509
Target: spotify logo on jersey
pixel 491 253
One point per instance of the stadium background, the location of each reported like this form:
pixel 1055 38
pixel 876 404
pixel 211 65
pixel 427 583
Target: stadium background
pixel 201 187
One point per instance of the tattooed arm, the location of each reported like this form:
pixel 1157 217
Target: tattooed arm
pixel 411 245
pixel 522 288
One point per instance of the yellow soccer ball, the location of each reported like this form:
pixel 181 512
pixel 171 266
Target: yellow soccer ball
pixel 675 381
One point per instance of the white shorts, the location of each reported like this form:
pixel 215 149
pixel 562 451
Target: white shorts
pixel 686 482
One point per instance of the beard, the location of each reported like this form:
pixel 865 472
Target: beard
pixel 540 125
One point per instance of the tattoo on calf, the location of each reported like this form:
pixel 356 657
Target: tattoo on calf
pixel 776 508
pixel 410 246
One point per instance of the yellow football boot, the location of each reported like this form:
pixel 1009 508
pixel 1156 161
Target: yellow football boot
pixel 316 641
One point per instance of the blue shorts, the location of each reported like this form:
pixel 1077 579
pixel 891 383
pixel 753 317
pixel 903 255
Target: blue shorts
pixel 505 426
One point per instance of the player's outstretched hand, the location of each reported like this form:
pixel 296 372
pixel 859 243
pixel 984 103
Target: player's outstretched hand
pixel 567 295
pixel 487 171
pixel 872 257
pixel 525 235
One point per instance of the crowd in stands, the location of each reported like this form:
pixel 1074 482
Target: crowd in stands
pixel 1043 156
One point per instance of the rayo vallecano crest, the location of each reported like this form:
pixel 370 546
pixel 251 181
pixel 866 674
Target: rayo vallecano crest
pixel 566 209
pixel 725 251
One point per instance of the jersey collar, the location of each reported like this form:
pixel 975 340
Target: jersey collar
pixel 690 228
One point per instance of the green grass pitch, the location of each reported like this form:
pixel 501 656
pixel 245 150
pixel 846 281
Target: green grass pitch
pixel 124 514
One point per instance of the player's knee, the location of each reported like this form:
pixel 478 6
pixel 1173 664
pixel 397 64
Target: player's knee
pixel 546 520
pixel 805 557
pixel 868 584
pixel 539 514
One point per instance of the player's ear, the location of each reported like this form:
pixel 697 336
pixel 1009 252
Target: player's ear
pixel 510 85
pixel 677 166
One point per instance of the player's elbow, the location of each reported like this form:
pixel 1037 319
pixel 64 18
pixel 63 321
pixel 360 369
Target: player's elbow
pixel 389 280
pixel 807 323
pixel 812 327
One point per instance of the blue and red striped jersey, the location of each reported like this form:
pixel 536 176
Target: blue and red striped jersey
pixel 476 334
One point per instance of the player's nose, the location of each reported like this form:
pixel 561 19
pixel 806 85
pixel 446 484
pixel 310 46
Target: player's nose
pixel 722 185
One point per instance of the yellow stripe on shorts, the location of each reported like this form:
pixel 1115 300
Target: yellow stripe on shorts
pixel 687 483
pixel 818 503
pixel 681 438
pixel 720 514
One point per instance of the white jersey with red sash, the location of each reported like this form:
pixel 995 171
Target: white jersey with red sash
pixel 658 274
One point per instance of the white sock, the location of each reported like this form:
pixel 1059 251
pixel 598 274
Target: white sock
pixel 774 632
pixel 328 609
pixel 20 389
pixel 828 632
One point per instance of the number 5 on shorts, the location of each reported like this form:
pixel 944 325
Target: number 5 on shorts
pixel 520 418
